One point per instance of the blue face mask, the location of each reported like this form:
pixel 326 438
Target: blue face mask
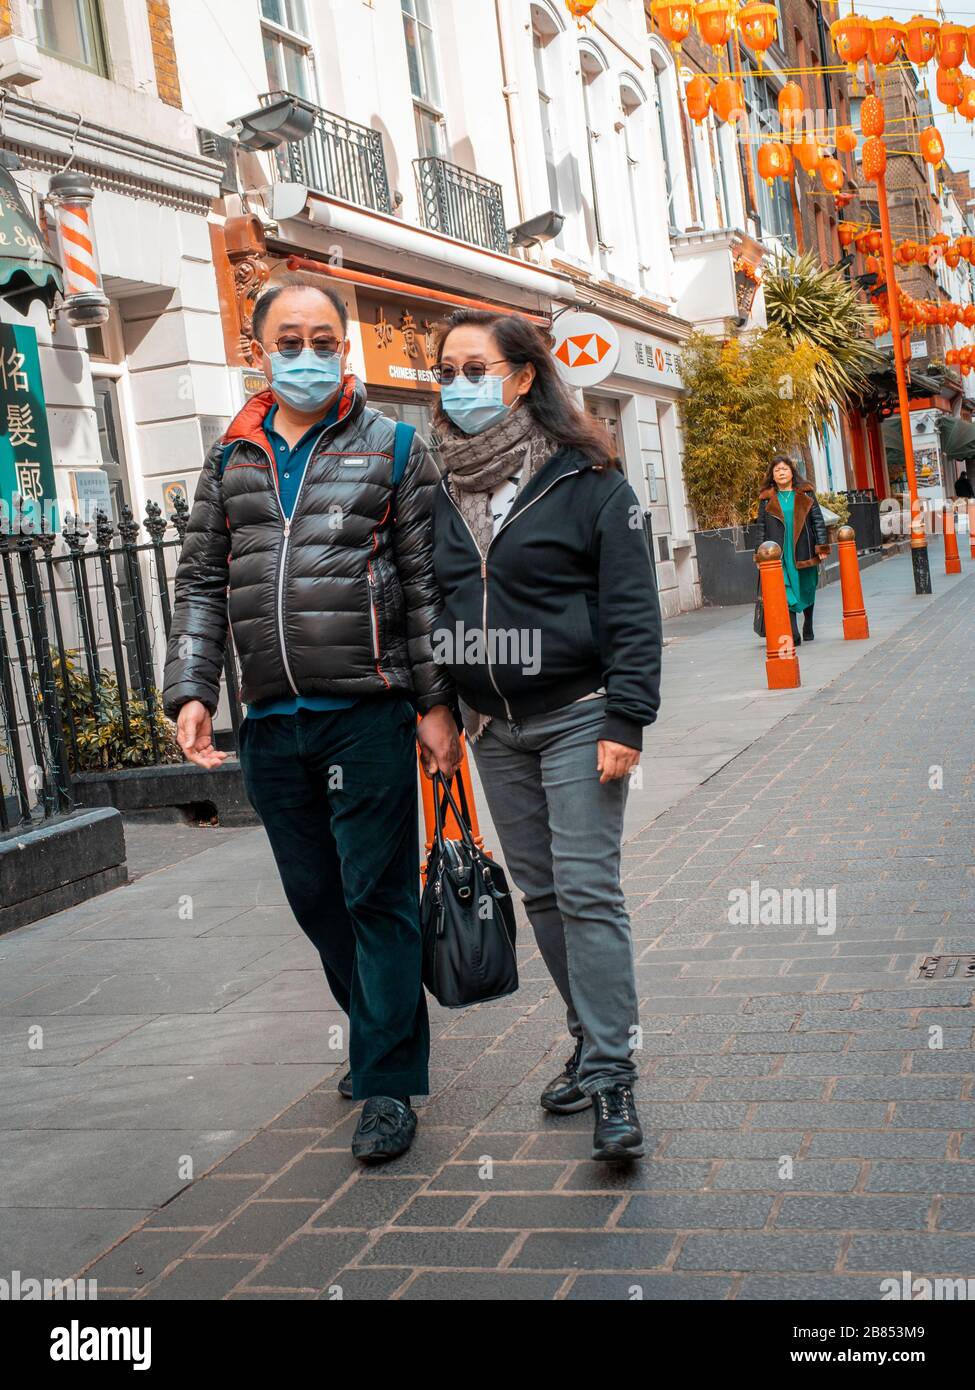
pixel 307 381
pixel 474 406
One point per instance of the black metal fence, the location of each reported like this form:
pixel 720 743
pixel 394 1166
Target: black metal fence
pixel 461 204
pixel 85 616
pixel 339 157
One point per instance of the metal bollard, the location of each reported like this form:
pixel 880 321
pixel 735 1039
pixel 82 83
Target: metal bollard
pixel 781 661
pixel 952 558
pixel 855 625
pixel 971 528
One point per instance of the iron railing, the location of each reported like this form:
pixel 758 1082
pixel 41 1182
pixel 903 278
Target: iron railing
pixel 85 617
pixel 339 157
pixel 461 204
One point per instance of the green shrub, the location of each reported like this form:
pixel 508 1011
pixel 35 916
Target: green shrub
pixel 102 745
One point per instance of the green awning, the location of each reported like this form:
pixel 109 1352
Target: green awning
pixel 28 267
pixel 957 438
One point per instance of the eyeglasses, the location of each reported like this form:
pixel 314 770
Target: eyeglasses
pixel 444 373
pixel 290 345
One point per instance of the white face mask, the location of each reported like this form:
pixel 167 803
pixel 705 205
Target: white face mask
pixel 474 406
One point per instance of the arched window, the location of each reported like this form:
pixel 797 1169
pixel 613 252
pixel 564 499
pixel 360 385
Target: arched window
pixel 593 71
pixel 634 135
pixel 553 52
pixel 667 105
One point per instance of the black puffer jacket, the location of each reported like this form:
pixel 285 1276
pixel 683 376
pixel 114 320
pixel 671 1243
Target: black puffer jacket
pixel 341 600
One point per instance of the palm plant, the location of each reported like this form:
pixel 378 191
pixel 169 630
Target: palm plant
pixel 816 305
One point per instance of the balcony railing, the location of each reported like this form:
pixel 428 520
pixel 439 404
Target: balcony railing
pixel 339 157
pixel 461 204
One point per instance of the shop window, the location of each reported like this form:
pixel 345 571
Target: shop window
pixel 592 71
pixel 287 48
pixel 72 30
pixel 421 54
pixel 634 135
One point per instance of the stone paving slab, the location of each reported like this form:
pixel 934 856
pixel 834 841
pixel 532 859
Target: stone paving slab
pixel 808 1101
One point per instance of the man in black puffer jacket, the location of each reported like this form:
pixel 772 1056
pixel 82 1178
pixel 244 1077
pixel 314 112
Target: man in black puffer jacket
pixel 323 559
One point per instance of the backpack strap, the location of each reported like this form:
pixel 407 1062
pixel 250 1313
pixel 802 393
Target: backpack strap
pixel 402 444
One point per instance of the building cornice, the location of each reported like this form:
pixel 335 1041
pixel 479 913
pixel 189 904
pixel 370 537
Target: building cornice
pixel 46 138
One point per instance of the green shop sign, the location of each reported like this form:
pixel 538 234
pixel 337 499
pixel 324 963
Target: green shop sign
pixel 26 464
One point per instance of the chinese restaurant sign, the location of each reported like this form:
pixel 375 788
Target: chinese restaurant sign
pixel 399 342
pixel 26 465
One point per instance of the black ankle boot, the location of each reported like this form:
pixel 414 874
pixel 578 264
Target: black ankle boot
pixel 794 624
pixel 807 626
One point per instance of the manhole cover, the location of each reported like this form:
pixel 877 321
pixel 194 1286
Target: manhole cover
pixel 948 968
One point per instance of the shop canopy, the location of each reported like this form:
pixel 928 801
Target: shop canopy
pixel 957 440
pixel 28 267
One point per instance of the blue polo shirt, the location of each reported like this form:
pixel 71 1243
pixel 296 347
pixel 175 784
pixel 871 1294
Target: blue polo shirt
pixel 290 465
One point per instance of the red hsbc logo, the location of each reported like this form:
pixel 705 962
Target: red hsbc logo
pixel 583 350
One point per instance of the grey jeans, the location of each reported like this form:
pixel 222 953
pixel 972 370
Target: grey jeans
pixel 560 832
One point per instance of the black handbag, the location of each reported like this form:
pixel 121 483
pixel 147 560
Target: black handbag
pixel 466 915
pixel 758 621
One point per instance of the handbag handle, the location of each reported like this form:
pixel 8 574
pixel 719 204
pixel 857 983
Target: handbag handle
pixel 462 817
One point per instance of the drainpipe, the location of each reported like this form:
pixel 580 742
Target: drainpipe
pixel 510 90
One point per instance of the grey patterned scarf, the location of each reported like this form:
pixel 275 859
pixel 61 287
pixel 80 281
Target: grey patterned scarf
pixel 478 464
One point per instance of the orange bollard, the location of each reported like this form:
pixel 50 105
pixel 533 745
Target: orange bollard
pixel 971 528
pixel 450 826
pixel 855 625
pixel 952 558
pixel 781 663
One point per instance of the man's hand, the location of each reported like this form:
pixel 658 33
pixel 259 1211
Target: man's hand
pixel 194 734
pixel 436 734
pixel 615 760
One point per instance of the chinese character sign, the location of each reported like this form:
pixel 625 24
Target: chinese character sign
pixel 26 465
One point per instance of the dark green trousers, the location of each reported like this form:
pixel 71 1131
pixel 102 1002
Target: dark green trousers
pixel 337 795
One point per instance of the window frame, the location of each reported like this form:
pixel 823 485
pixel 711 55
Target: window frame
pixel 428 107
pixel 90 13
pixel 281 36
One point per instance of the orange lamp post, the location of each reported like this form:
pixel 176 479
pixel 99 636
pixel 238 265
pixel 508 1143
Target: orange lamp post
pixel 855 625
pixel 971 526
pixel 781 661
pixel 952 558
pixel 919 543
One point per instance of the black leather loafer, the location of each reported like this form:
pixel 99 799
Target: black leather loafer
pixel 344 1087
pixel 562 1095
pixel 385 1130
pixel 617 1136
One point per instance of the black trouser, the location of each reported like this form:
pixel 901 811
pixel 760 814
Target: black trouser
pixel 337 795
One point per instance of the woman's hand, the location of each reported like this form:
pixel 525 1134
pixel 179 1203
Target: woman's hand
pixel 439 743
pixel 615 760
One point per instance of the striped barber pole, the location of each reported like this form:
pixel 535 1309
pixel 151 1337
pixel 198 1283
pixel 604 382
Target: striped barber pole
pixel 80 264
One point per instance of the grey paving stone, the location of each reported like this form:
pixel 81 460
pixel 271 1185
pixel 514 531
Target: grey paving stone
pixel 502 1286
pixel 759 1252
pixel 314 1176
pixel 649 1287
pixel 205 1203
pixel 259 1228
pixel 921 1177
pixel 267 1153
pixel 592 1251
pixel 439 1249
pixel 194 1280
pixel 924 1254
pixel 141 1258
pixel 853 1214
pixel 812 1288
pixel 725 1144
pixel 504 1177
pixel 957 1214
pixel 698 1212
pixel 861 1143
pixel 549 1212
pixel 359 1285
pixel 946 1115
pixel 643 1176
pixel 826 1115
pixel 435 1211
pixel 806 1176
pixel 366 1205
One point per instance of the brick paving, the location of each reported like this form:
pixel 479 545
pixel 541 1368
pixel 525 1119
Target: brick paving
pixel 808 1100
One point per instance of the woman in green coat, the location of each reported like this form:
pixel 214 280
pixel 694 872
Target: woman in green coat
pixel 789 515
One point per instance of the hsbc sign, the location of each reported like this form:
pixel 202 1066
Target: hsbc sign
pixel 587 348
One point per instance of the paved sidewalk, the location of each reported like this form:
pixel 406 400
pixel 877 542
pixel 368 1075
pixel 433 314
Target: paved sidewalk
pixel 805 1138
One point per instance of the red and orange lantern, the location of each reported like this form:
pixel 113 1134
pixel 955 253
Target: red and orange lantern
pixel 952 42
pixel 728 100
pixel 921 40
pixel 809 154
pixel 846 139
pixel 698 96
pixel 966 107
pixel 579 9
pixel 846 231
pixel 885 42
pixel 673 19
pixel 874 158
pixel 971 45
pixel 872 118
pixel 948 86
pixel 773 160
pixel 932 146
pixel 715 21
pixel 791 106
pixel 758 25
pixel 851 38
pixel 831 173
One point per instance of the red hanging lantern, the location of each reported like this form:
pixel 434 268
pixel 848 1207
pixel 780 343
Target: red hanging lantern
pixel 966 107
pixel 952 41
pixel 851 38
pixel 971 45
pixel 846 231
pixel 885 42
pixel 791 106
pixel 932 146
pixel 863 242
pixel 831 173
pixel 965 245
pixel 728 100
pixel 846 139
pixel 698 96
pixel 921 40
pixel 715 21
pixel 673 19
pixel 876 241
pixel 874 158
pixel 908 250
pixel 773 160
pixel 968 316
pixel 872 118
pixel 758 24
pixel 951 357
pixel 948 86
pixel 809 154
pixel 579 9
